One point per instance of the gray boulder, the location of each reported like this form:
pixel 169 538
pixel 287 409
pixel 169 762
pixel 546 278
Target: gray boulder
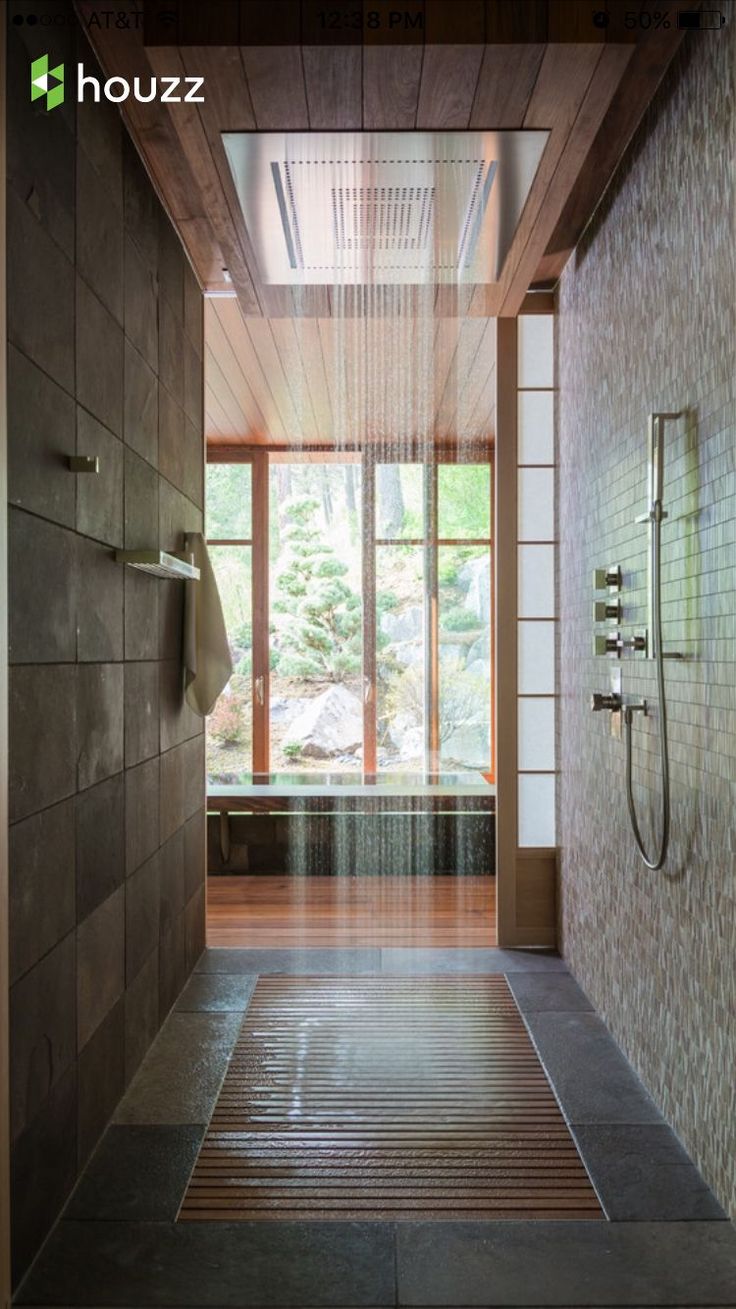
pixel 404 626
pixel 284 708
pixel 407 736
pixel 407 653
pixel 480 649
pixel 468 747
pixel 331 724
pixel 476 575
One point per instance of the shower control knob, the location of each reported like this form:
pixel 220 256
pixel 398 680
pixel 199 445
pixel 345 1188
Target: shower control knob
pixel 637 644
pixel 607 577
pixel 605 700
pixel 603 609
pixel 604 645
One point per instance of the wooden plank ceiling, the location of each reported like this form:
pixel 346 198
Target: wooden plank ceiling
pixel 344 381
pixel 276 358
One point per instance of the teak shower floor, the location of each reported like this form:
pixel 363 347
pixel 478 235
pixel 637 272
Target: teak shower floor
pixel 273 911
pixel 386 1098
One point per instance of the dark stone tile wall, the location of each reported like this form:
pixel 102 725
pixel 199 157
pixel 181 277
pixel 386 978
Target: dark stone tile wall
pixel 107 764
pixel 646 322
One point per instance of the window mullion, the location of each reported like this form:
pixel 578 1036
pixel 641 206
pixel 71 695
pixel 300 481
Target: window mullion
pixel 261 653
pixel 368 563
pixel 431 647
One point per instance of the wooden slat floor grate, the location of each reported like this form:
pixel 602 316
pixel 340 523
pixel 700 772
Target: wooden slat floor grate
pixel 386 1098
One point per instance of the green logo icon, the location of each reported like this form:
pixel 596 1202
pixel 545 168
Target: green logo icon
pixel 47 81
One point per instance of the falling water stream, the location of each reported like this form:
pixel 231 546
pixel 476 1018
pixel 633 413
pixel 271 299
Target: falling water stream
pixel 386 353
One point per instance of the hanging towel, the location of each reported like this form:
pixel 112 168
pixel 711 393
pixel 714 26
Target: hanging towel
pixel 207 662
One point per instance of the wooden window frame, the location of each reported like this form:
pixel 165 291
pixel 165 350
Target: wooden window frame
pixel 260 459
pixel 258 543
pixel 479 453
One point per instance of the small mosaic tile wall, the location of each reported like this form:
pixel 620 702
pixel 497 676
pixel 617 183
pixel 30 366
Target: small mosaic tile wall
pixel 646 322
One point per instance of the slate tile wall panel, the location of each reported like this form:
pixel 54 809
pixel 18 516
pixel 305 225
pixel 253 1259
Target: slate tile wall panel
pixel 646 322
pixel 101 939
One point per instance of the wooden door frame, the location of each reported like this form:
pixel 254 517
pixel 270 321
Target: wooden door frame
pixel 525 876
pixel 505 644
pixel 5 1271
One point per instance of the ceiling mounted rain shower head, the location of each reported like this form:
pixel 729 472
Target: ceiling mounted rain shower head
pixel 382 207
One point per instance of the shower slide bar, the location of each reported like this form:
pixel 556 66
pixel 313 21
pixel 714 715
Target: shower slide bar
pixel 654 518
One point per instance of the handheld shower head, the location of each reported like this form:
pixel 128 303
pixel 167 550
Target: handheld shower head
pixel 656 458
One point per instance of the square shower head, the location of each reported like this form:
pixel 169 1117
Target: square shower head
pixel 382 207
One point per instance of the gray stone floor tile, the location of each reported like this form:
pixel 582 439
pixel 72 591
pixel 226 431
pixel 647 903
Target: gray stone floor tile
pixel 217 993
pixel 308 962
pixel 478 960
pixel 592 1079
pixel 180 1076
pixel 547 991
pixel 566 1264
pixel 137 1173
pixel 323 1265
pixel 643 1173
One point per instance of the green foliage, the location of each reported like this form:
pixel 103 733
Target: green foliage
pixel 459 620
pixel 451 560
pixel 228 501
pixel 413 523
pixel 321 634
pixel 241 634
pixel 464 500
pixel 462 692
pixel 291 749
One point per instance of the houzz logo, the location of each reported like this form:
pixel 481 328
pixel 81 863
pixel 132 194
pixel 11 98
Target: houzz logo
pixel 167 90
pixel 41 79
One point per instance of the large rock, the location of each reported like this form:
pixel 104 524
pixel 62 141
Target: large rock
pixel 476 575
pixel 468 747
pixel 404 626
pixel 480 669
pixel 284 708
pixel 480 649
pixel 407 736
pixel 452 653
pixel 331 724
pixel 407 653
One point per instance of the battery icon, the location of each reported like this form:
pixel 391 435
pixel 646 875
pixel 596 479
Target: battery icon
pixel 699 20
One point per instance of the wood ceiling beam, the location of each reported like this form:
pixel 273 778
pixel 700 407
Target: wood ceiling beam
pixel 187 124
pixel 121 53
pixel 594 72
pixel 507 78
pixel 634 93
pixel 536 72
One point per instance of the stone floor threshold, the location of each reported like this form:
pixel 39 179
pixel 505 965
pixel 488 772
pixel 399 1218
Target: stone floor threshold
pixel 667 1242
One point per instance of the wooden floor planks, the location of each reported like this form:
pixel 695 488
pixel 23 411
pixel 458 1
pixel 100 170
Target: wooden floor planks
pixel 274 912
pixel 386 1098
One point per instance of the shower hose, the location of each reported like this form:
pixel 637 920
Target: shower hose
pixel 656 860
